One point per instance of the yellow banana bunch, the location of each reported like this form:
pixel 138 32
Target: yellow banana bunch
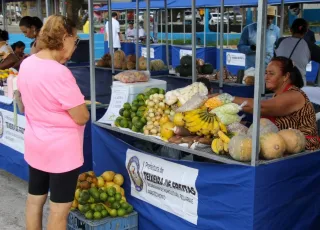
pixel 217 146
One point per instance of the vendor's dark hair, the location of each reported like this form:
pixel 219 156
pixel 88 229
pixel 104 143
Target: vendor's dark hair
pixel 114 14
pixel 28 22
pixel 299 26
pixel 206 82
pixel 4 35
pixel 18 44
pixel 288 67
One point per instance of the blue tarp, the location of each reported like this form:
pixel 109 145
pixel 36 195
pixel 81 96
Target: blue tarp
pixel 282 195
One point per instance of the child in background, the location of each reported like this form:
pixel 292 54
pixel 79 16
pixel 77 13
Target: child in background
pixel 18 49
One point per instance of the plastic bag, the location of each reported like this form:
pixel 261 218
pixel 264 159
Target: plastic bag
pixel 195 102
pixel 132 76
pixel 248 78
pixel 219 100
pixel 266 126
pixel 230 108
pixel 240 148
pixel 237 129
pixel 228 119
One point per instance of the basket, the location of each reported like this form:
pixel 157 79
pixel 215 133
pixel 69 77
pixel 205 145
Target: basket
pixel 76 221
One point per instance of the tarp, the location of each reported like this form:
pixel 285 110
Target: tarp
pixel 281 195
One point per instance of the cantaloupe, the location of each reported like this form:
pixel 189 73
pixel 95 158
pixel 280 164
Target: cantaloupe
pixel 266 126
pixel 142 63
pixel 240 148
pixel 272 146
pixel 294 139
pixel 157 65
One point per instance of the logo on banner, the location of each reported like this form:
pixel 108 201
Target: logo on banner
pixel 133 168
pixel 237 59
pixel 229 58
pixel 1 125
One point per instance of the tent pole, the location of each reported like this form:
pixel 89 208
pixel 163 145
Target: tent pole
pixel 171 26
pixel 137 35
pixel 194 41
pixel 64 8
pixel 4 13
pixel 39 9
pixel 110 36
pixel 282 18
pixel 47 8
pixel 184 27
pixel 126 21
pixel 228 26
pixel 259 73
pixel 217 30
pixel 221 45
pixel 161 25
pixel 92 63
pixel 166 30
pixel 148 34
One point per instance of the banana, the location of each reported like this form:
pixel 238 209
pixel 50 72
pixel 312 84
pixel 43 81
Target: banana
pixel 223 128
pixel 214 146
pixel 219 146
pixel 215 128
pixel 224 137
pixel 226 147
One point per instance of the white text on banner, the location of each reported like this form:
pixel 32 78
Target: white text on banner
pixel 236 59
pixel 166 185
pixel 12 135
pixel 185 53
pixel 144 52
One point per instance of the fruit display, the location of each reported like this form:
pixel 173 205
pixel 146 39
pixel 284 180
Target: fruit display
pixel 240 148
pixel 132 76
pixel 142 63
pixel 272 146
pixel 157 65
pixel 100 197
pixel 294 139
pixel 135 116
pixel 119 58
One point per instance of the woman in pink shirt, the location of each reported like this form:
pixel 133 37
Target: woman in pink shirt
pixel 56 114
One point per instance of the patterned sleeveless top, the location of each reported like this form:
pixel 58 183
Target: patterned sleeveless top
pixel 303 120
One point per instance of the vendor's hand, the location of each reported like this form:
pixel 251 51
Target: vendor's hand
pixel 253 47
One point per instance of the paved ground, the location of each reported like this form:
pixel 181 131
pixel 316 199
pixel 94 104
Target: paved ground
pixel 12 203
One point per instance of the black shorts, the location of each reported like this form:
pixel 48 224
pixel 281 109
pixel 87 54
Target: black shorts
pixel 62 185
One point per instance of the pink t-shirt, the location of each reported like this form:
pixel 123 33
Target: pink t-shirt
pixel 53 141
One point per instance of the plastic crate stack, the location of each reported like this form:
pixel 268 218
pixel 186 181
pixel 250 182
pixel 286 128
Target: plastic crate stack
pixel 76 221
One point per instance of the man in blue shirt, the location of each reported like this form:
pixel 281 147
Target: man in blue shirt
pixel 247 43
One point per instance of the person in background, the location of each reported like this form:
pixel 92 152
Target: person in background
pixel 18 49
pixel 115 32
pixel 7 57
pixel 131 32
pixel 248 39
pixel 309 36
pixel 30 27
pixel 56 115
pixel 298 49
pixel 290 108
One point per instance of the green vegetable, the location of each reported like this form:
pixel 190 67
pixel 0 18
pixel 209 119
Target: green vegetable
pixel 121 111
pixel 127 106
pixel 207 68
pixel 124 123
pixel 127 113
pixel 186 60
pixel 134 108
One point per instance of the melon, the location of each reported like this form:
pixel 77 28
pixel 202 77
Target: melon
pixel 119 57
pixel 266 126
pixel 186 60
pixel 131 58
pixel 185 71
pixel 142 63
pixel 294 139
pixel 157 65
pixel 272 146
pixel 207 69
pixel 131 65
pixel 240 148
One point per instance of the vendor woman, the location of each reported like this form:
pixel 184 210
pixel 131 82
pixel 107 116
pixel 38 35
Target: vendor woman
pixel 290 107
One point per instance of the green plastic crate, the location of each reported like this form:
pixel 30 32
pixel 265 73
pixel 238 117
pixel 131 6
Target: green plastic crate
pixel 77 221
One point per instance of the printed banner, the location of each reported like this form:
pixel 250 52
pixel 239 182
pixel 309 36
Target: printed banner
pixel 166 185
pixel 144 52
pixel 236 59
pixel 12 135
pixel 185 53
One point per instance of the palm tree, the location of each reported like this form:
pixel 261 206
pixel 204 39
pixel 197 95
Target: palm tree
pixel 73 7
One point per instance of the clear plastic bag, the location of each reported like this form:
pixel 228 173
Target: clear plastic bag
pixel 230 108
pixel 266 126
pixel 132 76
pixel 237 128
pixel 228 119
pixel 195 102
pixel 219 100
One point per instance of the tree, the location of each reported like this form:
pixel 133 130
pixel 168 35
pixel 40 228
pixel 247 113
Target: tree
pixel 73 7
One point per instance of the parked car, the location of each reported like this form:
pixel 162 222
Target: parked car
pixel 188 16
pixel 231 15
pixel 215 18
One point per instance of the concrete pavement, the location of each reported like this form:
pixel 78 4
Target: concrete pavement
pixel 12 203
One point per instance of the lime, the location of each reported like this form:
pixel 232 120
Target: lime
pixel 141 103
pixel 143 120
pixel 91 200
pixel 126 113
pixel 135 119
pixel 154 90
pixel 140 113
pixel 93 206
pixel 96 195
pixel 143 108
pixel 135 129
pixel 129 209
pixel 121 111
pixel 111 191
pixel 140 97
pixel 135 102
pixel 118 196
pixel 124 205
pixel 113 213
pixel 146 97
pixel 101 190
pixel 97 215
pixel 89 215
pixel 115 205
pixel 134 108
pixel 99 208
pixel 111 200
pixel 103 196
pixel 127 106
pixel 132 115
pixel 121 212
pixel 162 91
pixel 139 124
pixel 129 124
pixel 124 123
pixel 104 213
